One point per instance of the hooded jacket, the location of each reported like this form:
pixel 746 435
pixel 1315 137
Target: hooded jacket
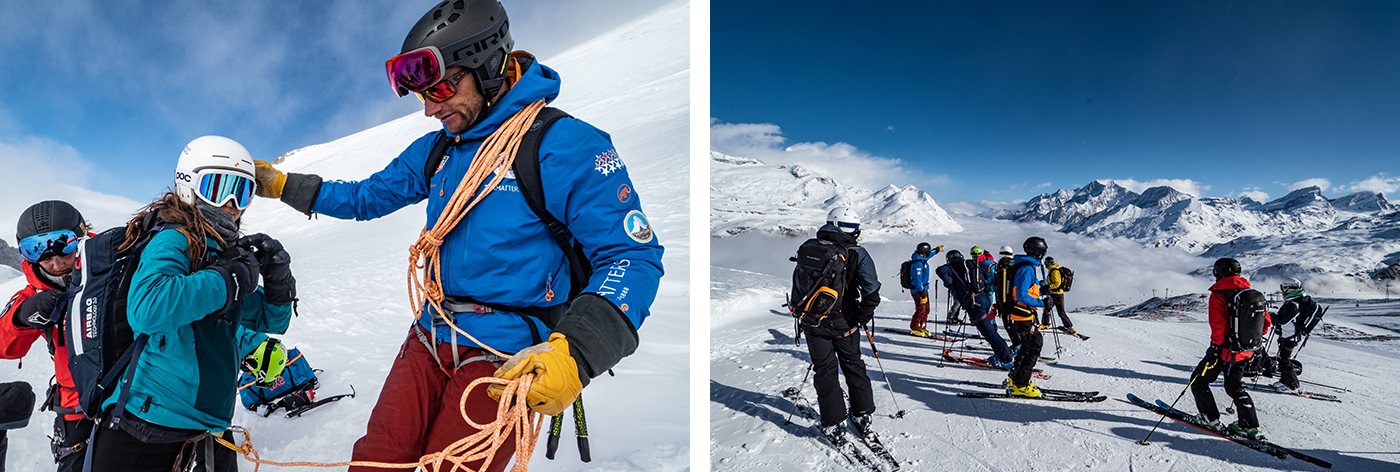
pixel 501 253
pixel 1023 289
pixel 15 341
pixel 1219 315
pixel 918 273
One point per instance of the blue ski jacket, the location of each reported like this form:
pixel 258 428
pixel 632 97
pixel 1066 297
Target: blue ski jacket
pixel 918 273
pixel 501 252
pixel 1026 285
pixel 187 375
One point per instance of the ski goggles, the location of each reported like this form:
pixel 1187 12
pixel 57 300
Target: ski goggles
pixel 423 71
pixel 218 187
pixel 42 246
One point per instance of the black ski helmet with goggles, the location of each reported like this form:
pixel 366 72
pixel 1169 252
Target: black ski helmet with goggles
pixel 472 34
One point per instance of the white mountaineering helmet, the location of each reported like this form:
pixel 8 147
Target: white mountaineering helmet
pixel 1290 285
pixel 844 218
pixel 212 168
pixel 1006 251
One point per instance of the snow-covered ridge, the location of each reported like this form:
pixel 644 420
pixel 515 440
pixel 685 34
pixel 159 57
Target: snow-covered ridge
pixel 793 200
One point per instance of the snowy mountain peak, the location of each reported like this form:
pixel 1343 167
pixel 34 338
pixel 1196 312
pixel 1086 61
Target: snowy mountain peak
pixel 1364 201
pixel 793 200
pixel 1163 196
pixel 1303 197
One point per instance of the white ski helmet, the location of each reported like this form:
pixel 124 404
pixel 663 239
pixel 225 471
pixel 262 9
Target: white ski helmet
pixel 1290 285
pixel 844 218
pixel 216 169
pixel 1006 251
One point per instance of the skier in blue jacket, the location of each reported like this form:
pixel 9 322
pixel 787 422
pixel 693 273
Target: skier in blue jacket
pixel 506 279
pixel 1019 294
pixel 918 277
pixel 195 294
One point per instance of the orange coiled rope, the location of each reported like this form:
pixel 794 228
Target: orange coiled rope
pixel 513 415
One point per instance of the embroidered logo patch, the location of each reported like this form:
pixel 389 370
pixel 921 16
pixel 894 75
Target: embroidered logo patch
pixel 624 193
pixel 607 162
pixel 637 226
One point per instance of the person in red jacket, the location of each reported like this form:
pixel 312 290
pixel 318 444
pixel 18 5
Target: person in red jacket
pixel 1228 282
pixel 48 234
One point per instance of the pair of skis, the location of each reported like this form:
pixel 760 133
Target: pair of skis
pixel 848 449
pixel 1261 445
pixel 1046 394
pixel 1298 393
pixel 988 349
pixel 934 336
pixel 949 356
pixel 1061 329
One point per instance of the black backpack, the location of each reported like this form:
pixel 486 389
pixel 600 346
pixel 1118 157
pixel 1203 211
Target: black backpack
pixel 1066 278
pixel 818 281
pixel 1006 285
pixel 527 176
pixel 970 272
pixel 99 338
pixel 906 279
pixel 1247 310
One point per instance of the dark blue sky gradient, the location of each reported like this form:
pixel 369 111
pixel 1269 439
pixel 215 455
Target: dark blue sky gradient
pixel 1230 95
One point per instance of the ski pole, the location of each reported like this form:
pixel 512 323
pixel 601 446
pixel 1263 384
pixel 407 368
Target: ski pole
pixel 556 426
pixel 1340 389
pixel 581 429
pixel 796 392
pixel 1178 398
pixel 899 413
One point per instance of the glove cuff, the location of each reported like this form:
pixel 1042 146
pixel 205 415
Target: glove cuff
pixel 301 191
pixel 230 287
pixel 599 335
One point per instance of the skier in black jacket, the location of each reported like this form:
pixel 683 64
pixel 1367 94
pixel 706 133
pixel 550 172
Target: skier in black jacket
pixel 835 342
pixel 1295 319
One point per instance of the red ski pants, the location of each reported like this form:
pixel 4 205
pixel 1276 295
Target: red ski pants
pixel 920 319
pixel 417 409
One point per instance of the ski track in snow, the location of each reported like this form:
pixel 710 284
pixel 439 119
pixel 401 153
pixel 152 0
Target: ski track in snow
pixel 753 359
pixel 352 276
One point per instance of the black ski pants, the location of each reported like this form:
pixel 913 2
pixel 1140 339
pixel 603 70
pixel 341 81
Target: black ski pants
pixel 828 355
pixel 115 450
pixel 1031 342
pixel 1286 374
pixel 68 434
pixel 1206 372
pixel 1058 299
pixel 1012 336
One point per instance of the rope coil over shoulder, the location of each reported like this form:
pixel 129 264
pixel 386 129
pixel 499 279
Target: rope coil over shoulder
pixel 513 414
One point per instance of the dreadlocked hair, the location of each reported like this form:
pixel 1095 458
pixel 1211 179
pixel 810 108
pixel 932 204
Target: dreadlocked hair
pixel 171 209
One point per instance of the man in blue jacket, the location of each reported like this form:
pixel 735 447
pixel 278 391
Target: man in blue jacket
pixel 918 277
pixel 505 277
pixel 1018 290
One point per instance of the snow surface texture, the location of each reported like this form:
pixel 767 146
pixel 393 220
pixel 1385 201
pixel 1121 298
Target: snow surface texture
pixel 753 359
pixel 792 200
pixel 352 275
pixel 1336 243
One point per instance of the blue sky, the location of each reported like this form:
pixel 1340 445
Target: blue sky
pixel 1005 100
pixel 105 94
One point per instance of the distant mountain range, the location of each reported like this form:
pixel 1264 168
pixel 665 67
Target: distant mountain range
pixel 1302 232
pixel 793 200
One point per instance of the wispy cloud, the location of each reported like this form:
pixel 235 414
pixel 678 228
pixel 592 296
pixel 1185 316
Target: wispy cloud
pixel 1255 193
pixel 1319 182
pixel 852 166
pixel 1379 183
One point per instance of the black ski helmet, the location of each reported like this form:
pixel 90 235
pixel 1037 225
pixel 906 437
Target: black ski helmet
pixel 954 255
pixel 1225 267
pixel 924 249
pixel 1035 247
pixel 51 215
pixel 473 34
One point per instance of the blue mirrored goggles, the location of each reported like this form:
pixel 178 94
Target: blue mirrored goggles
pixel 42 246
pixel 218 187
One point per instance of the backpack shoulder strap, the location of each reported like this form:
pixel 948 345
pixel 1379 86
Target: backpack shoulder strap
pixel 527 176
pixel 430 166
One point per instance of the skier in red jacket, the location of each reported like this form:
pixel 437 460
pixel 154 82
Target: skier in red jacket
pixel 1228 282
pixel 48 234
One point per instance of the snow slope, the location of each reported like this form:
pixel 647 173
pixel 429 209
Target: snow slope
pixel 354 312
pixel 753 359
pixel 749 195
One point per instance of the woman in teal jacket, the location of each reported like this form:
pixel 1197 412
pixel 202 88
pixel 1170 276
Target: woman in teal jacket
pixel 195 295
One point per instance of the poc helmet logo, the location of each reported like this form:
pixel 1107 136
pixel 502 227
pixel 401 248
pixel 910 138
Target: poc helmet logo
pixel 183 177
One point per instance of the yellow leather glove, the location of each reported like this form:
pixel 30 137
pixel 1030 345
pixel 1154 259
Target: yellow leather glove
pixel 270 180
pixel 556 383
pixel 938 249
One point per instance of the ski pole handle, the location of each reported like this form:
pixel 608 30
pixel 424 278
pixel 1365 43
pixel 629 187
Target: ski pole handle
pixel 556 425
pixel 581 427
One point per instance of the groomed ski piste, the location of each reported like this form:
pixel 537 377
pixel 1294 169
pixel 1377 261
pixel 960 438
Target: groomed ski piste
pixel 753 359
pixel 352 276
